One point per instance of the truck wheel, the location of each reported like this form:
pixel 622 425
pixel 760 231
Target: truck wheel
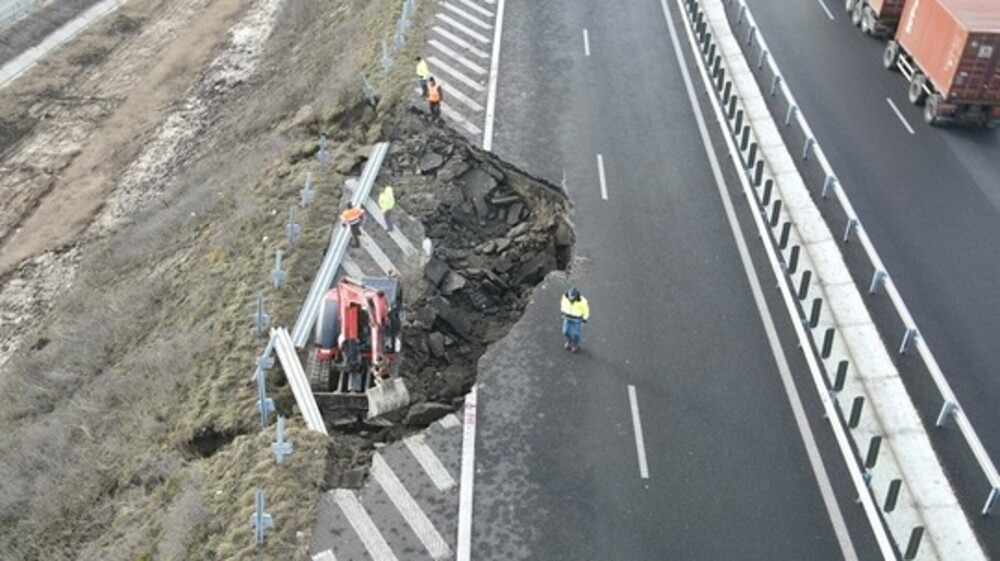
pixel 890 56
pixel 849 5
pixel 857 13
pixel 917 94
pixel 931 110
pixel 868 21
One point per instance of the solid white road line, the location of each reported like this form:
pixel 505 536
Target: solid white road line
pixel 791 392
pixel 476 7
pixel 586 42
pixel 439 65
pixel 351 267
pixel 822 4
pixel 376 253
pixel 460 42
pixel 453 93
pixel 324 556
pixel 491 97
pixel 464 545
pixel 363 525
pixel 404 243
pixel 409 508
pixel 433 467
pixel 601 178
pixel 458 58
pixel 637 428
pixel 463 28
pixel 467 16
pixel 456 117
pixel 900 115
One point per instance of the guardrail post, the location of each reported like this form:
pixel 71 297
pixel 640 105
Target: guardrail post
pixel 947 410
pixel 763 57
pixel 368 92
pixel 745 138
pixel 856 406
pixel 260 318
pixel 804 284
pixel 727 91
pixel 775 83
pixel 293 229
pixel 739 18
pixel 852 224
pixel 386 59
pixel 307 194
pixel 827 343
pixel 280 447
pixel 793 260
pixel 758 173
pixel 877 279
pixel 766 199
pixel 260 520
pixel 914 545
pixel 893 495
pixel 817 309
pixel 786 230
pixel 991 500
pixel 721 78
pixel 752 155
pixel 873 448
pixel 278 274
pixel 750 35
pixel 908 338
pixel 739 122
pixel 841 378
pixel 829 183
pixel 808 146
pixel 792 110
pixel 265 405
pixel 776 213
pixel 710 47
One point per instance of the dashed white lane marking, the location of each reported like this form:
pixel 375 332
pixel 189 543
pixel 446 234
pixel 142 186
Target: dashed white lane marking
pixel 463 28
pixel 586 42
pixel 351 268
pixel 440 65
pixel 477 7
pixel 363 525
pixel 458 58
pixel 454 93
pixel 467 16
pixel 601 177
pixel 900 115
pixel 457 117
pixel 324 556
pixel 491 96
pixel 450 421
pixel 460 42
pixel 640 445
pixel 376 253
pixel 829 14
pixel 408 507
pixel 464 540
pixel 429 461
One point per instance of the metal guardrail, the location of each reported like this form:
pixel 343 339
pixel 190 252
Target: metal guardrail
pixel 297 379
pixel 338 247
pixel 912 336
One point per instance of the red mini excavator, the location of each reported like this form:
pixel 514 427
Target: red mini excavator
pixel 358 342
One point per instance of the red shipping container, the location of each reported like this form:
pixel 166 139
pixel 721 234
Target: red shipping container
pixel 956 43
pixel 887 10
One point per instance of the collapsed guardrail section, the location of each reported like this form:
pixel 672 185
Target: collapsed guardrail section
pixel 847 357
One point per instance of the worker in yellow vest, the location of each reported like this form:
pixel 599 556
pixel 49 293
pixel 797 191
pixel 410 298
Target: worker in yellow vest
pixel 423 73
pixel 387 203
pixel 434 97
pixel 352 218
pixel 575 313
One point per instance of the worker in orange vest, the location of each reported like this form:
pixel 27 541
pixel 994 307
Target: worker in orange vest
pixel 434 97
pixel 352 218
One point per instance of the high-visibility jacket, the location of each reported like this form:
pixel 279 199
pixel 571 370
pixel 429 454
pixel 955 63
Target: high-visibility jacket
pixel 575 310
pixel 386 200
pixel 434 92
pixel 422 71
pixel 352 216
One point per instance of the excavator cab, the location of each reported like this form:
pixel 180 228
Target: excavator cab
pixel 354 368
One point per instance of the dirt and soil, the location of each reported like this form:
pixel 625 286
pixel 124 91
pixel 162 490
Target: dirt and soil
pixel 147 169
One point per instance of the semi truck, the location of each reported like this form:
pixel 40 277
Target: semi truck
pixel 948 50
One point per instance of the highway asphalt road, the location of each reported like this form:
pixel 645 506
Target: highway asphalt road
pixel 557 467
pixel 930 200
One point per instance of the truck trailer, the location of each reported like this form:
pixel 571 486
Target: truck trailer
pixel 949 50
pixel 875 17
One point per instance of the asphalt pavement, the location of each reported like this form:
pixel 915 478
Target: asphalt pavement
pixel 930 201
pixel 558 468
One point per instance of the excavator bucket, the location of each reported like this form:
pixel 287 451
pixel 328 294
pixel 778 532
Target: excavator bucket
pixel 386 396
